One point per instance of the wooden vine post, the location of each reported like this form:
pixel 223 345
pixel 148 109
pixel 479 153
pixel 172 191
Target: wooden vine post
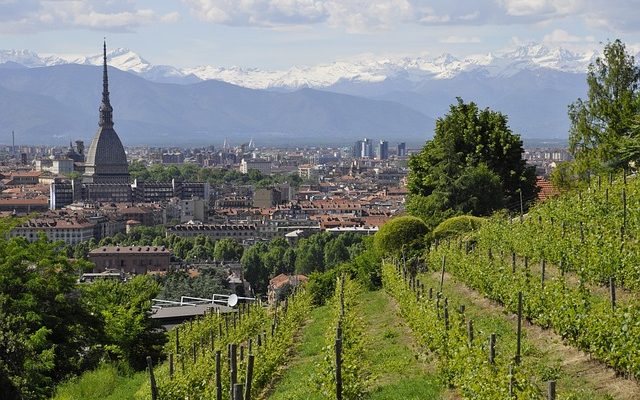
pixel 338 368
pixel 444 261
pixel 612 292
pixel 492 348
pixel 152 379
pixel 249 377
pixel 551 392
pixel 519 329
pixel 218 377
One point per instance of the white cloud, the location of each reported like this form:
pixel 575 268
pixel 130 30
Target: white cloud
pixel 352 15
pixel 460 39
pixel 541 8
pixel 112 15
pixel 561 36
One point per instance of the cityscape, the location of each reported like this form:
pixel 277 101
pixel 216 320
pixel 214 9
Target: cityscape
pixel 323 202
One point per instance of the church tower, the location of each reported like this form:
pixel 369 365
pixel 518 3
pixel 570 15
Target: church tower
pixel 106 161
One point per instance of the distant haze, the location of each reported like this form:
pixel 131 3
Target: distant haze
pixel 51 99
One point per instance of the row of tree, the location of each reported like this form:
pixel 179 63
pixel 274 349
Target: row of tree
pixel 215 176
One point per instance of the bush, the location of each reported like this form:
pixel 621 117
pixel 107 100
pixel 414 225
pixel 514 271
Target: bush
pixel 456 226
pixel 321 286
pixel 400 233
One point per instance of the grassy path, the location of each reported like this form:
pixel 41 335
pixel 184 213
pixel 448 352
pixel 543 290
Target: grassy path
pixel 573 369
pixel 297 380
pixel 398 369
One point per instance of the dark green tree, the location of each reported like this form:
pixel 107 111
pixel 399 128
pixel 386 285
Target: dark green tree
pixel 309 256
pixel 335 252
pixel 255 272
pixel 46 330
pixel 227 250
pixel 128 333
pixel 604 124
pixel 470 147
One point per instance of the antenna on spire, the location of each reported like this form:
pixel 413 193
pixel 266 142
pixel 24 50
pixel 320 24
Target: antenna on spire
pixel 106 111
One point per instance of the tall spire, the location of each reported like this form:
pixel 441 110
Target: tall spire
pixel 106 111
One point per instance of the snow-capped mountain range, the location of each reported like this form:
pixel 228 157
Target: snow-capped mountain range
pixel 413 69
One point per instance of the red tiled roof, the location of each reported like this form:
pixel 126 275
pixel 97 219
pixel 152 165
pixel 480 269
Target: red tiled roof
pixel 547 189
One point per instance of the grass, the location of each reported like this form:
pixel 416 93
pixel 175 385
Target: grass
pixel 103 383
pixel 297 380
pixel 398 372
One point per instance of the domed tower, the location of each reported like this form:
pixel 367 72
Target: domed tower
pixel 106 161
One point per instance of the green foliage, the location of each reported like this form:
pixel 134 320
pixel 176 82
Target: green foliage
pixel 583 318
pixel 309 256
pixel 179 283
pixel 227 250
pixel 604 124
pixel 354 367
pixel 128 334
pixel 47 331
pixel 253 268
pixel 195 379
pixel 565 176
pixel 214 176
pixel 400 234
pixel 107 382
pixel 456 226
pixel 460 364
pixel 321 286
pixel 470 148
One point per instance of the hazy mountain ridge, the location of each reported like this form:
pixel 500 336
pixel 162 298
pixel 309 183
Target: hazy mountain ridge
pixel 532 84
pixel 60 103
pixel 446 66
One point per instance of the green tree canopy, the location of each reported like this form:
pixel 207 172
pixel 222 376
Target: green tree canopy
pixel 227 249
pixel 473 164
pixel 46 329
pixel 604 124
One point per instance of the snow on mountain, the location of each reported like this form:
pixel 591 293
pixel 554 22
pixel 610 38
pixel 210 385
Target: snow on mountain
pixel 414 69
pixel 29 58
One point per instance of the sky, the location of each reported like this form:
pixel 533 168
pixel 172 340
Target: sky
pixel 277 34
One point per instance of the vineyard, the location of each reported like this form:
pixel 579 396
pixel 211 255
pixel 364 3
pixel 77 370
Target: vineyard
pixel 541 307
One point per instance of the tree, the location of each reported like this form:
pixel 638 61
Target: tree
pixel 398 235
pixel 335 252
pixel 604 123
pixel 129 334
pixel 227 249
pixel 309 256
pixel 254 270
pixel 470 147
pixel 47 331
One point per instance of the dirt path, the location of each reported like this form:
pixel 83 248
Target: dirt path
pixel 574 363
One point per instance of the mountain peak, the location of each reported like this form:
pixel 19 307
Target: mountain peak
pixel 446 66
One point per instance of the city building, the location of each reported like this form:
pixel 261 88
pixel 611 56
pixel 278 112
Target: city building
pixel 131 260
pixel 106 161
pixel 267 197
pixel 264 166
pixel 402 149
pixel 382 152
pixel 55 166
pixel 70 230
pixel 237 232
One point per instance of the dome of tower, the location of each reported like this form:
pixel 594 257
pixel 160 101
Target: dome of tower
pixel 106 149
